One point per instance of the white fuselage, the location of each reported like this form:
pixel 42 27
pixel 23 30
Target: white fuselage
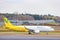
pixel 38 29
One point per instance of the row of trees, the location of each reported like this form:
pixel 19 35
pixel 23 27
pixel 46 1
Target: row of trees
pixel 35 17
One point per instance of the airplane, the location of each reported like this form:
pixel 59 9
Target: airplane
pixel 24 28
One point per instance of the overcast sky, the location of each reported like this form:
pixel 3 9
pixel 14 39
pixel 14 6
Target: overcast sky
pixel 31 6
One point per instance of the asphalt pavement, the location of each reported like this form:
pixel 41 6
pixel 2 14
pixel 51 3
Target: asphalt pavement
pixel 15 37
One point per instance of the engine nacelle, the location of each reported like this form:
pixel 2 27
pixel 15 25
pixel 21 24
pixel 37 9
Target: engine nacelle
pixel 36 31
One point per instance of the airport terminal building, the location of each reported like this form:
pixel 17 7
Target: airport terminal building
pixel 31 22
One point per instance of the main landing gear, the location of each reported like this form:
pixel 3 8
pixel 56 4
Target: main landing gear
pixel 29 32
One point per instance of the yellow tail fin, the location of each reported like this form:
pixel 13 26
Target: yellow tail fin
pixel 7 22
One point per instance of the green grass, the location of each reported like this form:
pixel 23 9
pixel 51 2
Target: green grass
pixel 52 23
pixel 50 33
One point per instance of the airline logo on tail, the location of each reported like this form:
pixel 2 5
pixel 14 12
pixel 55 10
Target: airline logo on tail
pixel 6 20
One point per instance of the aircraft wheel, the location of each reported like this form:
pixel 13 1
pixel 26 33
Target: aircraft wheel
pixel 29 32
